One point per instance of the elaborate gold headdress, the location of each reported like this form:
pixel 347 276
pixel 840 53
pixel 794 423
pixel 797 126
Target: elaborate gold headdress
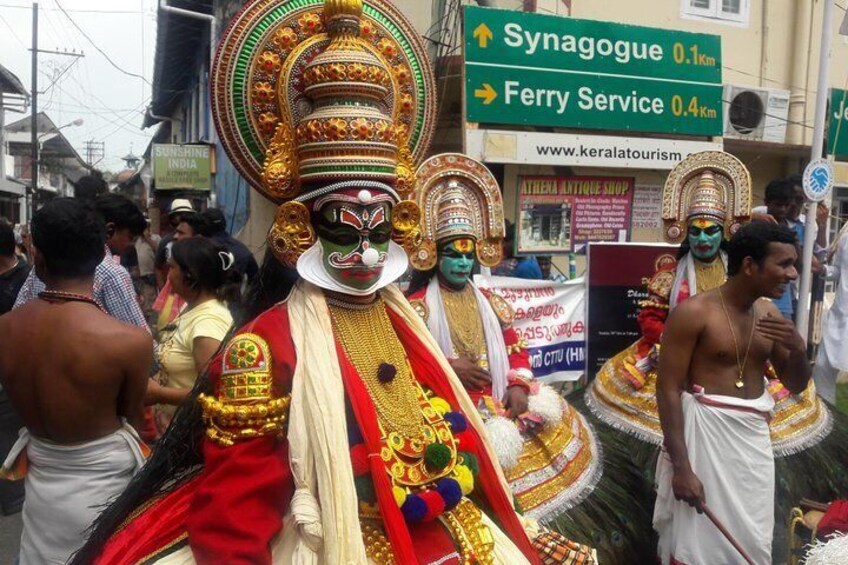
pixel 315 97
pixel 711 185
pixel 458 197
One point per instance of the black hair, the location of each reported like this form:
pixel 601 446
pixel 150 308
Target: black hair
pixel 7 239
pixel 215 220
pixel 752 240
pixel 198 223
pixel 780 190
pixel 70 237
pixel 272 284
pixel 89 187
pixel 202 263
pixel 121 212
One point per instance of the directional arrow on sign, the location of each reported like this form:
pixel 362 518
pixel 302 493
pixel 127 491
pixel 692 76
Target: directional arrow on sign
pixel 483 35
pixel 487 93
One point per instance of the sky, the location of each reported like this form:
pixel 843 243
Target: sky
pixel 110 101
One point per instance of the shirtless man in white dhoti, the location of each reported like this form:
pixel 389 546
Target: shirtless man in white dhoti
pixel 75 375
pixel 714 408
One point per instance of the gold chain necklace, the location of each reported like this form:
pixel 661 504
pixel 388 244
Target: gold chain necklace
pixel 369 340
pixel 709 275
pixel 466 325
pixel 740 382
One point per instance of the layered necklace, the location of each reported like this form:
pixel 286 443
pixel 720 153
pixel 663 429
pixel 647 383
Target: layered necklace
pixel 740 364
pixel 465 322
pixel 709 275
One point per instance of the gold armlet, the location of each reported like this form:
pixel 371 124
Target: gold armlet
pixel 228 423
pixel 653 304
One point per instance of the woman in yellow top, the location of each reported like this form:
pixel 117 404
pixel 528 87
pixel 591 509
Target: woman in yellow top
pixel 199 270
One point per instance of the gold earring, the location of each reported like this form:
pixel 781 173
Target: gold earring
pixel 292 233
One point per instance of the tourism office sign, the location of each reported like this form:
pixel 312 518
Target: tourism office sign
pixel 537 70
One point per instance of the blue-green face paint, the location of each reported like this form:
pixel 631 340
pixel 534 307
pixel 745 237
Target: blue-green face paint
pixel 705 239
pixel 456 260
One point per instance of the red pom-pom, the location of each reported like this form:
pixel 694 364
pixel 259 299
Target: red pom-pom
pixel 464 441
pixel 435 504
pixel 359 459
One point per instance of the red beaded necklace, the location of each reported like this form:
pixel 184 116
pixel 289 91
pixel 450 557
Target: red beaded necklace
pixel 58 296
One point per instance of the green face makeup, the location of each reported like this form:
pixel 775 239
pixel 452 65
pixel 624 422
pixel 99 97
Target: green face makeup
pixel 456 260
pixel 355 240
pixel 704 239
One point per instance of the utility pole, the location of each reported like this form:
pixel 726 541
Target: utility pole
pixel 33 185
pixel 94 151
pixel 803 319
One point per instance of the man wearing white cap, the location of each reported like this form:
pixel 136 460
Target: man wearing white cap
pixel 179 206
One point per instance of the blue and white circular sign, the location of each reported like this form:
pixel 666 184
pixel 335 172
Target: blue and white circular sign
pixel 818 179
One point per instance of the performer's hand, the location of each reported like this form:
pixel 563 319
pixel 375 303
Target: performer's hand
pixel 688 488
pixel 516 400
pixel 471 376
pixel 781 331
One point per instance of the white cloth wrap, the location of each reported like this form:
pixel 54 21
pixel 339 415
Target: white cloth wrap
pixel 67 486
pixel 437 322
pixel 835 326
pixel 730 451
pixel 686 272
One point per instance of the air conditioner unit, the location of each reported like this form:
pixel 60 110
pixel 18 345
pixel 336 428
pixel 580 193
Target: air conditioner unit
pixel 759 114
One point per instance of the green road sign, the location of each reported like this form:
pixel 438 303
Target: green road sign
pixel 529 69
pixel 837 124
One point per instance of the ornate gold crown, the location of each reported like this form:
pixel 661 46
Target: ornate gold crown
pixel 309 93
pixel 712 185
pixel 458 197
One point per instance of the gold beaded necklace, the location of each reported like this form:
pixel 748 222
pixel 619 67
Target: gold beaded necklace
pixel 369 340
pixel 709 275
pixel 740 382
pixel 466 325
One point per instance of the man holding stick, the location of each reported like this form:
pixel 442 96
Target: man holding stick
pixel 714 407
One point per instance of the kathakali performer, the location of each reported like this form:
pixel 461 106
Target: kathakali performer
pixel 331 428
pixel 548 451
pixel 706 198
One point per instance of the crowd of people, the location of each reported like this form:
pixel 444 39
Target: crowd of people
pixel 167 400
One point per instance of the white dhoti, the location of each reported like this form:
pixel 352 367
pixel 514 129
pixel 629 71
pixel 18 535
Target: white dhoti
pixel 730 451
pixel 67 486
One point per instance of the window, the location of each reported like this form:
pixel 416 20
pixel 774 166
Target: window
pixel 734 12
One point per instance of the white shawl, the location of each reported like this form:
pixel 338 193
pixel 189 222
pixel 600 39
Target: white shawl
pixel 437 322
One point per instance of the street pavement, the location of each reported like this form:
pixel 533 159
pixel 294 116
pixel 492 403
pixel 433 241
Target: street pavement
pixel 10 537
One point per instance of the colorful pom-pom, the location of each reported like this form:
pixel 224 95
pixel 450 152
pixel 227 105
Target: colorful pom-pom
pixel 435 504
pixel 451 492
pixel 359 459
pixel 440 405
pixel 464 478
pixel 464 441
pixel 400 495
pixel 386 373
pixel 457 421
pixel 470 461
pixel 437 456
pixel 414 508
pixel 365 489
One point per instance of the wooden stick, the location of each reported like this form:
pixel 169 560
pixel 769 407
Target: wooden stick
pixel 726 534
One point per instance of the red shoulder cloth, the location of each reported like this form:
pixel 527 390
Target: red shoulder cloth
pixel 234 508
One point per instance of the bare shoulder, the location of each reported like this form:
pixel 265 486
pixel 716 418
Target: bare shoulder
pixel 132 337
pixel 695 307
pixel 765 307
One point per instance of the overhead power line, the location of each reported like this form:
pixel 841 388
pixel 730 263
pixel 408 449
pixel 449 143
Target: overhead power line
pixel 99 50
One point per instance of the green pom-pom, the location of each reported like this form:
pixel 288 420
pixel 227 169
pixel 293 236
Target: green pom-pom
pixel 437 456
pixel 470 461
pixel 365 489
